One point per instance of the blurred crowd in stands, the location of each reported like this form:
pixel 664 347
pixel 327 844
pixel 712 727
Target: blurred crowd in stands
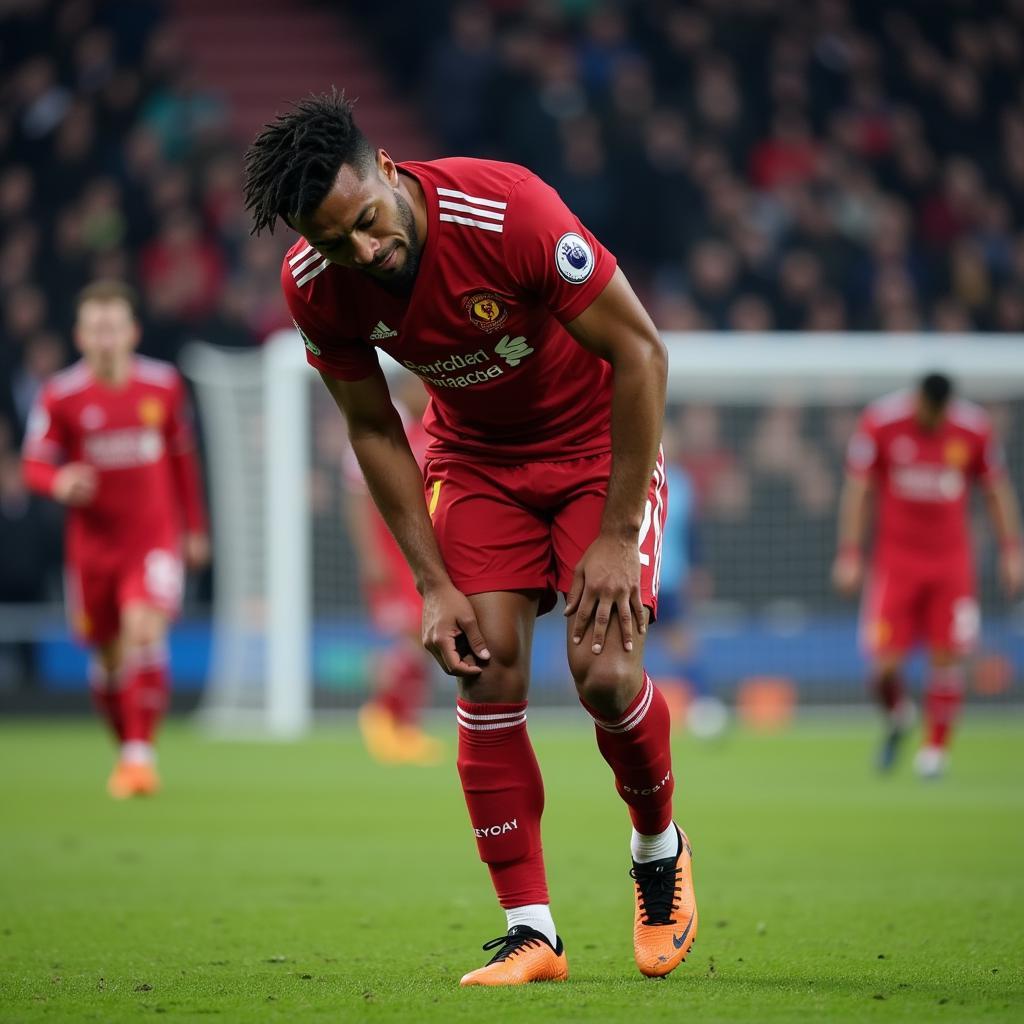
pixel 816 165
pixel 758 164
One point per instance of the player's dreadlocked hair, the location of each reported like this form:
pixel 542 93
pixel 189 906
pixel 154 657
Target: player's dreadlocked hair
pixel 292 163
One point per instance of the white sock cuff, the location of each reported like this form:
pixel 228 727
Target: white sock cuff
pixel 536 916
pixel 150 656
pixel 647 848
pixel 635 715
pixel 489 722
pixel 137 752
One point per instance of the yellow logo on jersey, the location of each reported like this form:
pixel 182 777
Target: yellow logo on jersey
pixel 957 453
pixel 486 311
pixel 151 411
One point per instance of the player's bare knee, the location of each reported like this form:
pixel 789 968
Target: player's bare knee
pixel 500 682
pixel 607 683
pixel 141 629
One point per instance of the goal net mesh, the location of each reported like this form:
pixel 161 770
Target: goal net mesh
pixel 764 458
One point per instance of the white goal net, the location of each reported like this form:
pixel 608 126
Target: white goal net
pixel 758 422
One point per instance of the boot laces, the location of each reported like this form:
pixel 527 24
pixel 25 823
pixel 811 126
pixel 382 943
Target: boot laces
pixel 519 938
pixel 658 885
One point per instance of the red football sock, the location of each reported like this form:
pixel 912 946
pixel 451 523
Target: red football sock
pixel 942 699
pixel 145 689
pixel 888 689
pixel 637 747
pixel 402 679
pixel 107 698
pixel 505 796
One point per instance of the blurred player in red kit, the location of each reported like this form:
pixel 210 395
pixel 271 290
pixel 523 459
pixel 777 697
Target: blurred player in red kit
pixel 390 720
pixel 547 394
pixel 111 438
pixel 914 455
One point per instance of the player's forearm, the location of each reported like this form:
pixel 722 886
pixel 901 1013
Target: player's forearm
pixel 188 483
pixel 638 411
pixel 396 486
pixel 853 515
pixel 1004 511
pixel 39 476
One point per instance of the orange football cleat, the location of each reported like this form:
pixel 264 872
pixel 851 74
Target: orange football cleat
pixel 523 955
pixel 133 778
pixel 379 732
pixel 665 923
pixel 145 779
pixel 119 785
pixel 417 747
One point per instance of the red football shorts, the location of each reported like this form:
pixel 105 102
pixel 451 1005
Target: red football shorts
pixel 906 605
pixel 96 592
pixel 526 527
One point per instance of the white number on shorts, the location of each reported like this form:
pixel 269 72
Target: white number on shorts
pixel 645 528
pixel 164 576
pixel 966 621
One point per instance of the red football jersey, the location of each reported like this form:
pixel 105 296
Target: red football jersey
pixel 923 475
pixel 139 438
pixel 504 266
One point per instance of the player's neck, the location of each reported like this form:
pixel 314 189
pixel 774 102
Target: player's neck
pixel 412 191
pixel 112 375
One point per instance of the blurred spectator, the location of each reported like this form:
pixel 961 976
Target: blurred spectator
pixel 182 271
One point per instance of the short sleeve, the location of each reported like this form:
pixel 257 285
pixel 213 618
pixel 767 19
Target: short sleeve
pixel 550 253
pixel 45 434
pixel 326 350
pixel 862 452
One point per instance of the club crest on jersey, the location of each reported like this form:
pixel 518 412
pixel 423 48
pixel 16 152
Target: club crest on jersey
pixel 956 453
pixel 574 258
pixel 151 411
pixel 485 310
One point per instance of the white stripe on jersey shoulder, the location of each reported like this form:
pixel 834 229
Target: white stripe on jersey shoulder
pixel 891 407
pixel 447 204
pixel 155 371
pixel 453 193
pixel 66 382
pixel 301 254
pixel 969 415
pixel 310 269
pixel 470 211
pixel 301 264
pixel 468 222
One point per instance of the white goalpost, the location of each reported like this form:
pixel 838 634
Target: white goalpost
pixel 288 635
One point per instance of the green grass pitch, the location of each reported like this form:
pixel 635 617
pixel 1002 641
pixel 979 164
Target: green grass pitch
pixel 300 882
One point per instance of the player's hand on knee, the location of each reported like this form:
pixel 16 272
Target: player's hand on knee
pixel 75 484
pixel 605 583
pixel 451 633
pixel 197 550
pixel 848 572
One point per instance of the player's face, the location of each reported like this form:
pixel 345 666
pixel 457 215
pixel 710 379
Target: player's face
pixel 929 415
pixel 106 333
pixel 367 224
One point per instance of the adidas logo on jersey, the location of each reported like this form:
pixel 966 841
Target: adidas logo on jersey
pixel 382 331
